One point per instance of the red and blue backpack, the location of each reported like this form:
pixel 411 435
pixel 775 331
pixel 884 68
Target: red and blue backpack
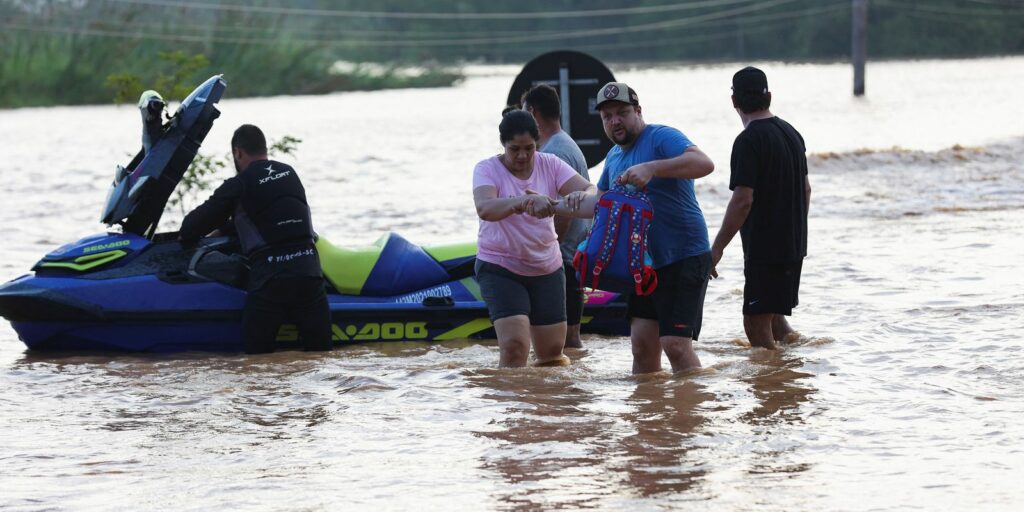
pixel 614 256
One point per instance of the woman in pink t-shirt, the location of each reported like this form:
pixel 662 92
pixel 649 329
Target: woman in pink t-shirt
pixel 518 263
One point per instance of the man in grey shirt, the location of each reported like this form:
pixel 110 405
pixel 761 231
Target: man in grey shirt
pixel 542 102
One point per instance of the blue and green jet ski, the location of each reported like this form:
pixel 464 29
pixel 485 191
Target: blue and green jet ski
pixel 139 290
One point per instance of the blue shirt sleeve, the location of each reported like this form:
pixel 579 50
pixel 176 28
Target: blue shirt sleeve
pixel 670 142
pixel 602 182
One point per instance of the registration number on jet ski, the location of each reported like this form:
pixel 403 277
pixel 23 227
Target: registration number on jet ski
pixel 365 332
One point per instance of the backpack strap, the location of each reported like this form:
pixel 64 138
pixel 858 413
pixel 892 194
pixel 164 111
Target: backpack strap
pixel 636 247
pixel 607 249
pixel 579 262
pixel 644 277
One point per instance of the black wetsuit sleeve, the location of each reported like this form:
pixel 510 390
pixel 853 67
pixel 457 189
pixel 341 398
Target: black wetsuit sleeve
pixel 212 214
pixel 228 228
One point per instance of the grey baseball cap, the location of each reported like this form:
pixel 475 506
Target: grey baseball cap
pixel 617 91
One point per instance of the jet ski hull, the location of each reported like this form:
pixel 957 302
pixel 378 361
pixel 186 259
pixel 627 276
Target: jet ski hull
pixel 47 320
pixel 162 297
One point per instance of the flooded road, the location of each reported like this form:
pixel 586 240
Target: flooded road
pixel 903 393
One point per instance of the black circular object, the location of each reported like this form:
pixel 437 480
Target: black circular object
pixel 585 76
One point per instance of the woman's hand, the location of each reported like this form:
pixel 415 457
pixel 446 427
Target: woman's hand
pixel 539 205
pixel 521 206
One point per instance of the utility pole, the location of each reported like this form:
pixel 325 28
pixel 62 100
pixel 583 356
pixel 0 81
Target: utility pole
pixel 741 46
pixel 859 38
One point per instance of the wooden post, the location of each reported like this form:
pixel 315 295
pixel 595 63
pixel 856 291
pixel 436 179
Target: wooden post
pixel 563 97
pixel 859 39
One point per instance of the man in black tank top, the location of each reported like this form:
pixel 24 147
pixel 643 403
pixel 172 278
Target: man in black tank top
pixel 267 205
pixel 771 195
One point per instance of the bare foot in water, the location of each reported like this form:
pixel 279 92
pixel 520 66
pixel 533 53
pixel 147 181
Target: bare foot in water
pixel 572 337
pixel 561 360
pixel 792 338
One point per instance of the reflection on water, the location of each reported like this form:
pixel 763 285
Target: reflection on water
pixel 548 437
pixel 658 458
pixel 780 389
pixel 660 437
pixel 776 385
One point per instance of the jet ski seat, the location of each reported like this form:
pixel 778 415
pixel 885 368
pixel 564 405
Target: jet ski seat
pixel 391 266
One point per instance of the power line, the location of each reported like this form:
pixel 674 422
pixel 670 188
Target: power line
pixel 932 17
pixel 209 31
pixel 999 3
pixel 80 31
pixel 686 39
pixel 525 38
pixel 956 11
pixel 263 9
pixel 250 30
pixel 784 17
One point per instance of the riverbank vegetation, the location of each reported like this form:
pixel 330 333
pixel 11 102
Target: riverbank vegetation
pixel 64 51
pixel 80 52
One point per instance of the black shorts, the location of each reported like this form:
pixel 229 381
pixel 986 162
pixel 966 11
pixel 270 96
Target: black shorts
pixel 542 298
pixel 573 295
pixel 678 301
pixel 771 288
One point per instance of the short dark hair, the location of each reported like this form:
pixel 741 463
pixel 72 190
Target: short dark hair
pixel 749 102
pixel 249 138
pixel 516 122
pixel 544 99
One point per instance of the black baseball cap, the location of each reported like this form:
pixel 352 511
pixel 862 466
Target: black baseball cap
pixel 749 80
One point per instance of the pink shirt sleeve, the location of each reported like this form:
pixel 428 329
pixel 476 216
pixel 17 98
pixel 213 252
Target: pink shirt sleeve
pixel 483 175
pixel 561 171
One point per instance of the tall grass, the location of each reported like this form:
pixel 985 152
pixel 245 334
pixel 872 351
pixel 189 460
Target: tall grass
pixel 82 55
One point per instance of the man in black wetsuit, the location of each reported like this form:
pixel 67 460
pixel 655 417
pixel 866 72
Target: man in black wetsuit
pixel 267 204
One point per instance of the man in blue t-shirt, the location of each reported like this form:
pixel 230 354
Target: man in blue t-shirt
pixel 665 162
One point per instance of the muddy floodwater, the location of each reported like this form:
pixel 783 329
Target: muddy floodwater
pixel 903 393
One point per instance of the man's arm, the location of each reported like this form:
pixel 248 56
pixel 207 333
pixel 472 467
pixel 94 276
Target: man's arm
pixel 213 213
pixel 690 165
pixel 575 184
pixel 581 199
pixel 735 215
